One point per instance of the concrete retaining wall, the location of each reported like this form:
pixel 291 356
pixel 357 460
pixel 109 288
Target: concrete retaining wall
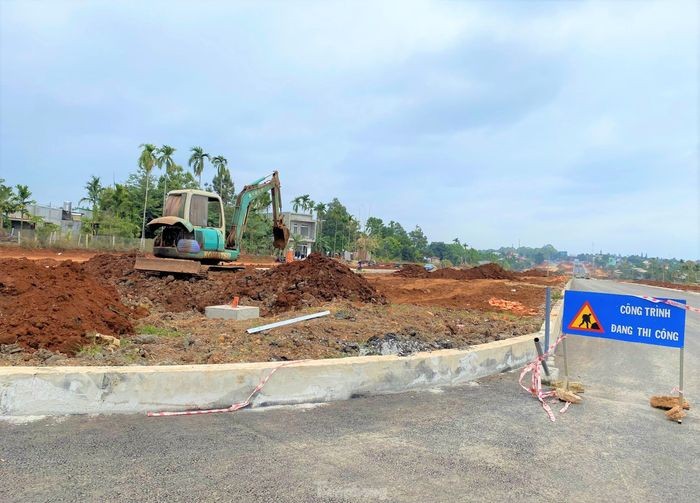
pixel 35 391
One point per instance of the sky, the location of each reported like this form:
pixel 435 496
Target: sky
pixel 498 123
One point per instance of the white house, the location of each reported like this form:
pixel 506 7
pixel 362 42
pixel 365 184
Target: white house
pixel 302 231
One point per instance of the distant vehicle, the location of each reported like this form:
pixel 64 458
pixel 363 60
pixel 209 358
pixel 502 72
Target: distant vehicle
pixel 580 272
pixel 429 267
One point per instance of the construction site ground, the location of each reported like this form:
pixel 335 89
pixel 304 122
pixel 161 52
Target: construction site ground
pixel 94 309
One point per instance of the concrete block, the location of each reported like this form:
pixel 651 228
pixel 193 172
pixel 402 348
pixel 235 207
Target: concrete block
pixel 227 312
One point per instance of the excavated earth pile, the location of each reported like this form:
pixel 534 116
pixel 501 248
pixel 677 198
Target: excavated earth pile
pixel 314 280
pixel 533 273
pixel 306 283
pixel 57 307
pixel 111 266
pixel 486 271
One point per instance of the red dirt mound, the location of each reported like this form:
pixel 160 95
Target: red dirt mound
pixel 54 307
pixel 111 265
pixel 412 271
pixel 297 285
pixel 534 273
pixel 316 279
pixel 486 271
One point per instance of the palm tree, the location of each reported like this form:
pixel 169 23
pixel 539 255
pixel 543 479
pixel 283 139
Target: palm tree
pixel 165 159
pixel 320 209
pixel 300 202
pixel 220 163
pixel 296 202
pixel 94 192
pixel 307 203
pixel 147 160
pixel 196 162
pixel 320 213
pixel 22 200
pixel 7 201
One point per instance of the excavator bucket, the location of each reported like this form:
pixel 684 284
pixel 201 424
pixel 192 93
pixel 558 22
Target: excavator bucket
pixel 280 233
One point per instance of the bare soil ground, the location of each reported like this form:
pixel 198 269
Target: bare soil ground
pixel 163 321
pixel 522 298
pixel 14 251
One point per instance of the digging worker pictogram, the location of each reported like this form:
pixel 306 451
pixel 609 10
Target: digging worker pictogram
pixel 585 319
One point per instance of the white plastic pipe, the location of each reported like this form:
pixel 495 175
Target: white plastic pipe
pixel 287 322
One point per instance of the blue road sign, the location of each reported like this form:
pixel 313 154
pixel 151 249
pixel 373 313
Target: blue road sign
pixel 623 318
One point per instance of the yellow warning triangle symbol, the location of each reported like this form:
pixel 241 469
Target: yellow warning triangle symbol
pixel 586 320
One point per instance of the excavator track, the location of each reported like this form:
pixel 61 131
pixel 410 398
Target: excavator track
pixel 180 266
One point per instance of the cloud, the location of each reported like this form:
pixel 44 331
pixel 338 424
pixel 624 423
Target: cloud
pixel 491 121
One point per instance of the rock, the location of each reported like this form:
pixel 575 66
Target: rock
pixel 10 349
pixel 111 341
pixel 43 354
pixel 393 344
pixel 667 402
pixel 567 396
pixel 350 348
pixel 344 315
pixel 145 339
pixel 169 279
pixel 676 414
pixel 54 359
pixel 575 386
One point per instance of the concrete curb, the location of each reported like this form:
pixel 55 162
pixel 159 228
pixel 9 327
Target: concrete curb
pixel 37 391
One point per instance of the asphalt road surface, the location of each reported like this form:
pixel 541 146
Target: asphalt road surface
pixel 485 442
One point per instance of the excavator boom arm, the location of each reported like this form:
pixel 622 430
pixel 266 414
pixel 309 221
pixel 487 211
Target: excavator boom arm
pixel 247 196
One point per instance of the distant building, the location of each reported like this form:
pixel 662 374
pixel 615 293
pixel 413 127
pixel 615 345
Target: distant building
pixel 68 219
pixel 303 227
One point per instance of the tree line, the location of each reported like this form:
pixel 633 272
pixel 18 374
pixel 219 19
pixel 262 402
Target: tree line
pixel 15 199
pixel 339 231
pixel 122 209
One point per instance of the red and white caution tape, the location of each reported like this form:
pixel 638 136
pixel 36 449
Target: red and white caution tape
pixel 669 302
pixel 535 388
pixel 232 408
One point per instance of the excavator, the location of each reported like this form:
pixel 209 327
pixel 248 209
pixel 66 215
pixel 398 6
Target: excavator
pixel 190 236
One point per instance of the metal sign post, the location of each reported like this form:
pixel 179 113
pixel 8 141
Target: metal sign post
pixel 547 315
pixel 680 382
